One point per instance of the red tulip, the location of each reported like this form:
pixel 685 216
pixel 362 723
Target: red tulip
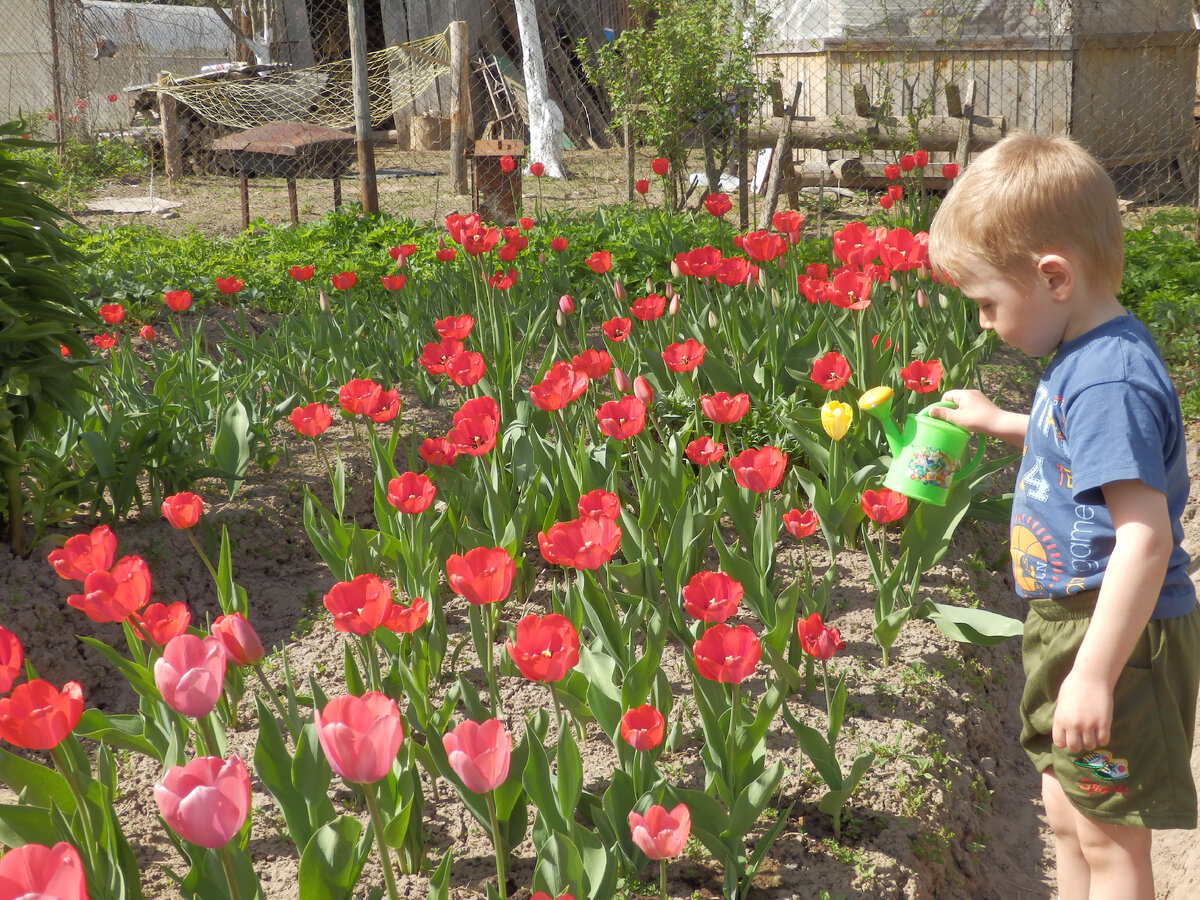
pixel 788 222
pixel 407 619
pixel 481 575
pixel 558 244
pixel 849 288
pixel 479 753
pixel 359 396
pixel 445 254
pixel 435 355
pixel 922 377
pixel 599 262
pixel 817 639
pixel 724 409
pixel 312 419
pixel 502 281
pixel 648 308
pixel 661 834
pixel 642 390
pixel 584 543
pixel 182 510
pixel 763 246
pixel 921 158
pixel 104 341
pixel 642 186
pixel 206 801
pixel 891 172
pixel 239 639
pixel 454 328
pixel 507 164
pixel 886 202
pixel 907 162
pixel 465 368
pixel 950 171
pixel 229 285
pixel 392 282
pixel 734 271
pixel 800 524
pixel 112 313
pixel 36 871
pixel 85 553
pixel 566 305
pixel 855 244
pixel 526 224
pixel 546 647
pixel 114 596
pixel 759 470
pixel 111 98
pixel 146 332
pixel 831 371
pixel 360 735
pixel 643 727
pixel 411 493
pixel 191 673
pixel 622 419
pixel 387 408
pixel 600 504
pixel 402 252
pixel 593 363
pixel 343 281
pixel 621 382
pixel 699 262
pixel 301 273
pixel 717 204
pixel 561 384
pixel 683 357
pixel 12 655
pixel 542 895
pixel 475 435
pixel 704 451
pixel 727 654
pixel 884 505
pixel 159 623
pixel 360 605
pixel 537 169
pixel 616 329
pixel 37 715
pixel 437 451
pixel 711 596
pixel 895 191
pixel 659 166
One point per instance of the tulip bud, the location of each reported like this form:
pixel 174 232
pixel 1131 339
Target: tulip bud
pixel 776 300
pixel 713 319
pixel 542 258
pixel 621 381
pixel 673 306
pixel 147 333
pixel 323 300
pixel 642 390
pixel 649 285
pixel 674 272
pixel 894 284
pixel 943 301
pixel 618 290
pixel 566 305
pixel 922 299
pixel 400 261
pixel 669 290
pixel 559 319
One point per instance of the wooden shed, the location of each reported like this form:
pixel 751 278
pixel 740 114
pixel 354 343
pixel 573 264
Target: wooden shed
pixel 1119 76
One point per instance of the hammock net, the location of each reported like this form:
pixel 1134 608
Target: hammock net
pixel 317 95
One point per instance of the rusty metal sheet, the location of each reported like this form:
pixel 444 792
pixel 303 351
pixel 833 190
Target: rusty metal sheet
pixel 285 139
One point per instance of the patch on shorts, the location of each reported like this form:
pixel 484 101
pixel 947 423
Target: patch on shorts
pixel 1104 766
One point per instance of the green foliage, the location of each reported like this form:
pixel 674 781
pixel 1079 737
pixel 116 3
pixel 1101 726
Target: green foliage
pixel 688 65
pixel 82 167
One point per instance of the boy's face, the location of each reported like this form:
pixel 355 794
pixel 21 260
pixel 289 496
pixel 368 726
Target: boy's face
pixel 1022 309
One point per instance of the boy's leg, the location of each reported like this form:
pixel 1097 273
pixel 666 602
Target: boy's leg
pixel 1118 858
pixel 1074 875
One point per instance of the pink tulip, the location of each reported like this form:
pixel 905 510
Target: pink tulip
pixel 191 673
pixel 33 870
pixel 239 639
pixel 206 801
pixel 479 754
pixel 360 735
pixel 661 834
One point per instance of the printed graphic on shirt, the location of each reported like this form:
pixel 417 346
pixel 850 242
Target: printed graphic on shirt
pixel 1033 482
pixel 1037 562
pixel 1104 765
pixel 1042 415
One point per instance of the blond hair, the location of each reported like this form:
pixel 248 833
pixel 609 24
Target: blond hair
pixel 1026 196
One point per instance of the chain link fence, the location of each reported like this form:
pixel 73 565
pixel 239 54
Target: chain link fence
pixel 726 90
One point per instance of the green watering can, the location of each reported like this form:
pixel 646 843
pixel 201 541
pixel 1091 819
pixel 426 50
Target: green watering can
pixel 928 455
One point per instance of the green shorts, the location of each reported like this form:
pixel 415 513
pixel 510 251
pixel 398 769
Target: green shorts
pixel 1143 776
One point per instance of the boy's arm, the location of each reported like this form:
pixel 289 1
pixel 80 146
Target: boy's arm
pixel 1132 581
pixel 976 413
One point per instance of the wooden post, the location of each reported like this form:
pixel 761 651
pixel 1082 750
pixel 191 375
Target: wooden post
pixel 781 157
pixel 963 152
pixel 627 137
pixel 362 107
pixel 55 80
pixel 244 187
pixel 293 201
pixel 168 116
pixel 743 163
pixel 460 105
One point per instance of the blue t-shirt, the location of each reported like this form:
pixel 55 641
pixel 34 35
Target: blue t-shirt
pixel 1105 410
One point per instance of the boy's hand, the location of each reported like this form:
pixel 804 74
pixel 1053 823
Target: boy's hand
pixel 976 413
pixel 1083 714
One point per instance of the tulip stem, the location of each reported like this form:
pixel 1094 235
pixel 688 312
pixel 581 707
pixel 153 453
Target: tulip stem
pixel 385 858
pixel 735 708
pixel 235 893
pixel 208 734
pixel 489 615
pixel 85 813
pixel 662 878
pixel 203 557
pixel 274 697
pixel 497 844
pixel 825 678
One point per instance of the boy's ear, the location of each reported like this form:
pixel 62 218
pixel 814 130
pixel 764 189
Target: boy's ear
pixel 1058 274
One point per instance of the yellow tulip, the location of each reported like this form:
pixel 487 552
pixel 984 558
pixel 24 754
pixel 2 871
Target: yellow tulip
pixel 836 418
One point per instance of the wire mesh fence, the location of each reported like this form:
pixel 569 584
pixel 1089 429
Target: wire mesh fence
pixel 826 92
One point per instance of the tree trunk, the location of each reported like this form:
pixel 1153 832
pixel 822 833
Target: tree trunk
pixel 545 118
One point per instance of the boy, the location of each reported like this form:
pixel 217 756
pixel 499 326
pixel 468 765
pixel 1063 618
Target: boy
pixel 1031 232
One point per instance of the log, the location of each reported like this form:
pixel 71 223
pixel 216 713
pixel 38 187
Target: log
pixel 836 133
pixel 853 172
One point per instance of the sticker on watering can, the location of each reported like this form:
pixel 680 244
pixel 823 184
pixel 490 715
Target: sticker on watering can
pixel 929 465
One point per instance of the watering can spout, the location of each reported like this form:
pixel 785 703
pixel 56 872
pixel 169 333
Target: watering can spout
pixel 878 403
